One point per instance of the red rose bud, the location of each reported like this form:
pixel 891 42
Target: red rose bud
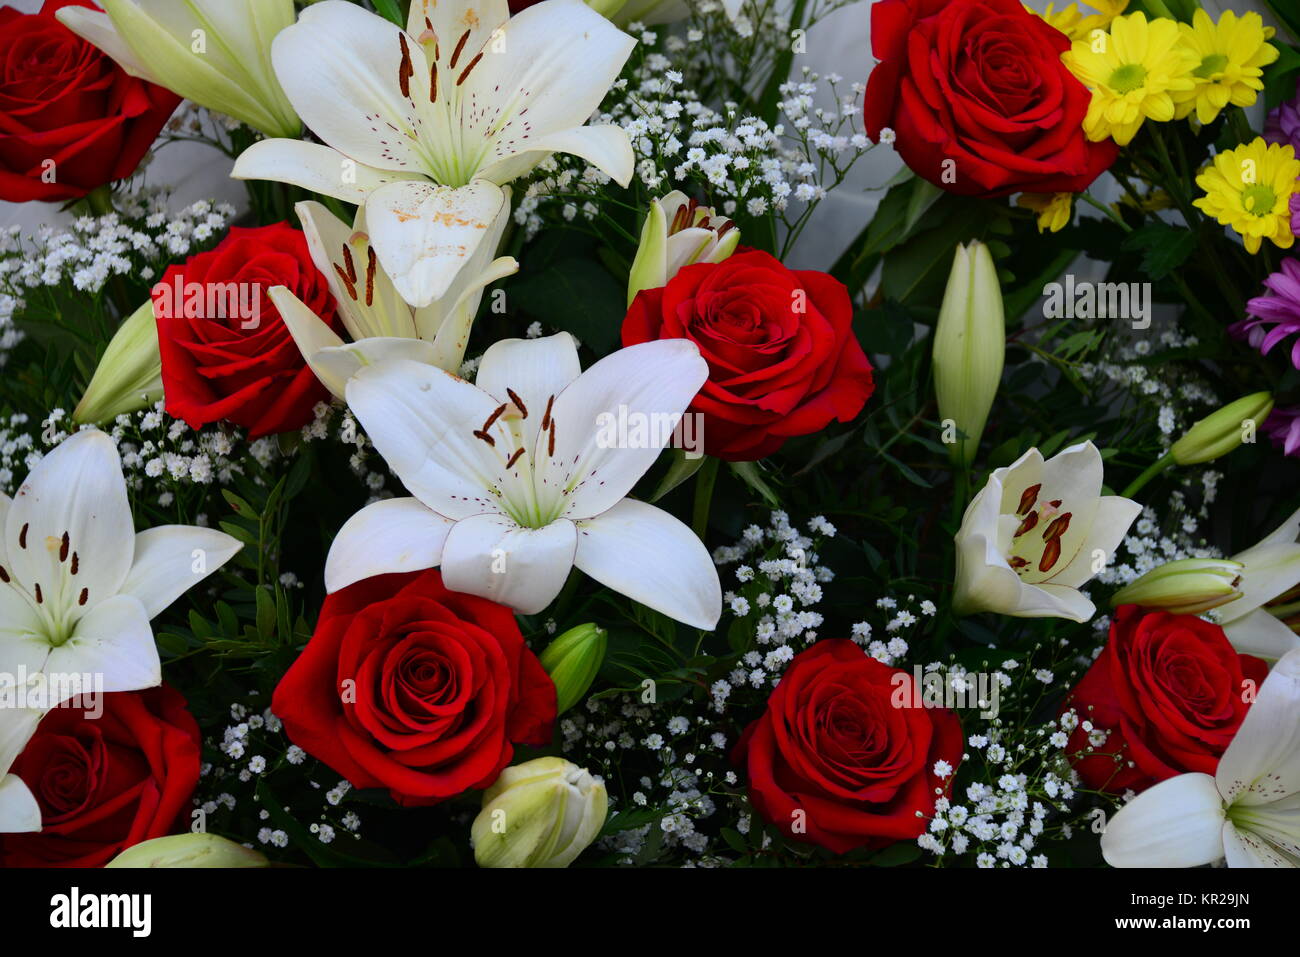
pixel 783 360
pixel 978 98
pixel 1165 697
pixel 104 784
pixel 837 761
pixel 226 353
pixel 71 119
pixel 408 686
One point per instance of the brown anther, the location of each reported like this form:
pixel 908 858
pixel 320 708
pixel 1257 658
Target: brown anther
pixel 725 228
pixel 519 404
pixel 510 463
pixel 1015 561
pixel 1028 498
pixel 84 596
pixel 22 536
pixel 1050 555
pixel 1058 527
pixel 433 83
pixel 680 219
pixel 546 416
pixel 496 414
pixel 63 547
pixel 370 275
pixel 348 283
pixel 76 563
pixel 465 72
pixel 351 273
pixel 550 442
pixel 4 575
pixel 1029 522
pixel 460 45
pixel 485 437
pixel 40 599
pixel 405 71
pixel 1055 503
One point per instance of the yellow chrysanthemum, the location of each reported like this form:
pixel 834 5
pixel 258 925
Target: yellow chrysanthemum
pixel 1071 21
pixel 1250 189
pixel 1133 72
pixel 1054 209
pixel 1232 55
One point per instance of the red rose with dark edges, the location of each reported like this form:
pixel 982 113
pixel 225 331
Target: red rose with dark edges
pixel 1170 690
pixel 226 353
pixel 783 360
pixel 70 118
pixel 104 784
pixel 411 687
pixel 979 99
pixel 835 761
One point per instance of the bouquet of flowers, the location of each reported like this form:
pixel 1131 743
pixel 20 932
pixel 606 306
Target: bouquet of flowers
pixel 596 434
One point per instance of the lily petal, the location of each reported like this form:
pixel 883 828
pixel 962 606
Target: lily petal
pixel 1267 571
pixel 605 147
pixel 1243 848
pixel 493 557
pixel 310 334
pixel 653 381
pixel 648 555
pixel 17 725
pixel 1262 763
pixel 19 811
pixel 536 370
pixel 114 641
pixel 422 420
pixel 1176 823
pixel 23 644
pixel 393 535
pixel 315 168
pixel 425 234
pixel 1110 524
pixel 72 510
pixel 336 365
pixel 1260 634
pixel 339 66
pixel 172 559
pixel 97 29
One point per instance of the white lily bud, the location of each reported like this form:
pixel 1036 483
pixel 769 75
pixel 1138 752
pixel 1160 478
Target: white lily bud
pixel 969 348
pixel 678 232
pixel 542 813
pixel 188 850
pixel 129 376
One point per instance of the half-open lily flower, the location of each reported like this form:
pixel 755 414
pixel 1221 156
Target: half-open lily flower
pixel 377 318
pixel 78 585
pixel 1247 812
pixel 1037 532
pixel 423 125
pixel 520 478
pixel 1264 621
pixel 18 808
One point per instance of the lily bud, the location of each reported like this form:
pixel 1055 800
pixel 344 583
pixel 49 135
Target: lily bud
pixel 678 232
pixel 970 344
pixel 542 813
pixel 1222 431
pixel 129 376
pixel 572 661
pixel 1189 586
pixel 214 52
pixel 188 850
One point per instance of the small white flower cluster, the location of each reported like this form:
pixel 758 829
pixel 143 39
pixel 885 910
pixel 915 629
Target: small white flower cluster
pixel 903 617
pixel 348 432
pixel 779 581
pixel 1178 397
pixel 1147 546
pixel 678 753
pixel 244 747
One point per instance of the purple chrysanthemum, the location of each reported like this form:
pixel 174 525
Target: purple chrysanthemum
pixel 1283 427
pixel 1283 124
pixel 1279 309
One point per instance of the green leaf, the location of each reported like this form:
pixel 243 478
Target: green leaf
pixel 681 468
pixel 578 296
pixel 749 473
pixel 1164 248
pixel 266 616
pixel 390 10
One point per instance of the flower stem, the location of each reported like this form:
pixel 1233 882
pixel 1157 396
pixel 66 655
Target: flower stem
pixel 705 479
pixel 100 200
pixel 1154 469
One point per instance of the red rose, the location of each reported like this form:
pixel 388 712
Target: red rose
pixel 1169 690
pixel 65 102
pixel 979 99
pixel 106 783
pixel 412 687
pixel 226 353
pixel 834 745
pixel 782 357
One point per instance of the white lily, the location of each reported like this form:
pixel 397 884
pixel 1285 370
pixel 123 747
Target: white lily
pixel 424 125
pixel 18 808
pixel 78 585
pixel 379 321
pixel 214 52
pixel 1037 532
pixel 518 479
pixel 1247 812
pixel 678 232
pixel 1256 623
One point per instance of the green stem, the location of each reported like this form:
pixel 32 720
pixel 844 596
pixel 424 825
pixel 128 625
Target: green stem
pixel 100 200
pixel 1154 469
pixel 705 479
pixel 1110 213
